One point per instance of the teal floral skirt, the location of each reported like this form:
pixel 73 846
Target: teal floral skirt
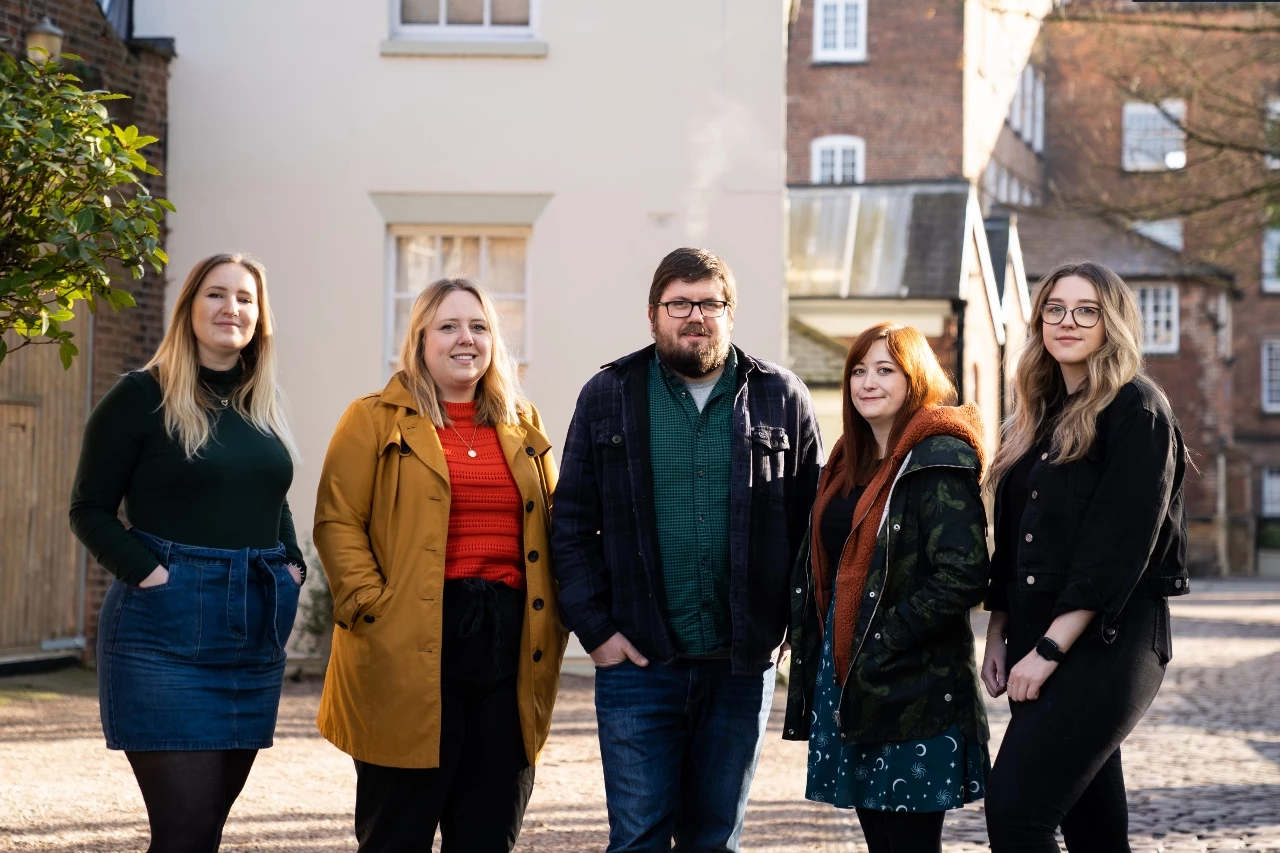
pixel 930 775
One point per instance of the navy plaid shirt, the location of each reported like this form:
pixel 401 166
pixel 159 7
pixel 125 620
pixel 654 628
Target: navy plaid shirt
pixel 604 538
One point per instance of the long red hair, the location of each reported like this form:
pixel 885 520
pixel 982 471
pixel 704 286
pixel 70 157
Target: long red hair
pixel 927 385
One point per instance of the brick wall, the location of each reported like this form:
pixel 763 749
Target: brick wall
pixel 121 342
pixel 906 100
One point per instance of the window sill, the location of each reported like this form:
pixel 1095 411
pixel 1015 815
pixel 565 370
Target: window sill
pixel 468 47
pixel 833 61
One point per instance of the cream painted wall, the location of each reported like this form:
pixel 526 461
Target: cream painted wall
pixel 651 126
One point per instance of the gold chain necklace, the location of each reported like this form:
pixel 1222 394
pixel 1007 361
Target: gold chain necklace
pixel 471 451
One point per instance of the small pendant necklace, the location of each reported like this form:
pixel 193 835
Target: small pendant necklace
pixel 471 451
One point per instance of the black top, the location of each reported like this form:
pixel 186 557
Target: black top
pixel 232 495
pixel 836 524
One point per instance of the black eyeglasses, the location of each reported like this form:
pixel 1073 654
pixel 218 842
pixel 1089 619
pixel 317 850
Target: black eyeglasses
pixel 678 309
pixel 1086 316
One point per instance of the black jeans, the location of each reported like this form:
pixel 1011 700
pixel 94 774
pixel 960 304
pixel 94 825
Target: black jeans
pixel 1059 762
pixel 477 796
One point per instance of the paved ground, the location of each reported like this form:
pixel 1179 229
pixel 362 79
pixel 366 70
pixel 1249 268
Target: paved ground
pixel 1203 768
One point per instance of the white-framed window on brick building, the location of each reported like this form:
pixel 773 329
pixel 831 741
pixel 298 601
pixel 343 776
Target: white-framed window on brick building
pixel 840 30
pixel 1159 306
pixel 1271 260
pixel 493 257
pixel 1271 376
pixel 1271 492
pixel 464 19
pixel 1153 139
pixel 837 160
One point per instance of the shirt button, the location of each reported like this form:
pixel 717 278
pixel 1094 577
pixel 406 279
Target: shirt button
pixel 897 527
pixel 533 556
pixel 700 474
pixel 538 604
pixel 1030 537
pixel 791 731
pixel 1031 579
pixel 1177 584
pixel 1044 455
pixel 1035 495
pixel 947 697
pixel 617 439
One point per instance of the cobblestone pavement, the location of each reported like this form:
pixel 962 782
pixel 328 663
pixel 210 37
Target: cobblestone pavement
pixel 1203 768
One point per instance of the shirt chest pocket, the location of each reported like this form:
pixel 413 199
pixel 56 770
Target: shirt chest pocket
pixel 611 441
pixel 769 447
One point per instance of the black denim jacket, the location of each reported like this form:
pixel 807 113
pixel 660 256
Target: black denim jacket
pixel 1110 525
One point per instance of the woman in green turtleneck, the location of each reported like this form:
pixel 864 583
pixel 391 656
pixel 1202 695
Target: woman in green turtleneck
pixel 192 633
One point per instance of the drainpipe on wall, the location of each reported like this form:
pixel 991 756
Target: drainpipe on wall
pixel 1220 513
pixel 957 309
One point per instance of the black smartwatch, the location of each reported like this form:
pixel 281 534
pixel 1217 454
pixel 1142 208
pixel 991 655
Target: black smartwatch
pixel 1049 650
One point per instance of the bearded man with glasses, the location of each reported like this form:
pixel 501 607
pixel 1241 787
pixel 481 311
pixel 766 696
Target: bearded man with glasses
pixel 686 482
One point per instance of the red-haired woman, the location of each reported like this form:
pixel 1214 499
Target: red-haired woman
pixel 884 685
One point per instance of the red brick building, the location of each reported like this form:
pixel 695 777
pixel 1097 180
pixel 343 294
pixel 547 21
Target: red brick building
pixel 52 590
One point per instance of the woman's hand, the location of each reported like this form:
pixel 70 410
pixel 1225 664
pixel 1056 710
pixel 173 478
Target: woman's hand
pixel 995 666
pixel 1029 676
pixel 159 577
pixel 295 573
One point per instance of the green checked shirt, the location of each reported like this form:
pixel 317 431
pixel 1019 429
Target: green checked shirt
pixel 691 454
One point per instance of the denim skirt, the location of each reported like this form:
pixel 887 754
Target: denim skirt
pixel 197 662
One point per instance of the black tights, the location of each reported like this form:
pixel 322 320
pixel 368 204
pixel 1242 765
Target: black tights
pixel 902 832
pixel 189 794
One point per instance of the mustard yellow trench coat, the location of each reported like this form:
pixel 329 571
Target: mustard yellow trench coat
pixel 382 518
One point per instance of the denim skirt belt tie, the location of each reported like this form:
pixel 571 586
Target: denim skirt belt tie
pixel 197 662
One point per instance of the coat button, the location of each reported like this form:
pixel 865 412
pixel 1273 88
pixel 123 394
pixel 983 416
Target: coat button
pixel 797 660
pixel 791 731
pixel 947 697
pixel 529 450
pixel 897 527
pixel 1034 494
pixel 1177 584
pixel 528 507
pixel 538 604
pixel 617 439
pixel 533 556
pixel 1030 537
pixel 1111 632
pixel 877 636
pixel 405 450
pixel 799 591
pixel 537 655
pixel 873 594
pixel 368 617
pixel 1031 578
pixel 1044 455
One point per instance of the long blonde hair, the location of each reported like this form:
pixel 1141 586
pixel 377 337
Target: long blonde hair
pixel 176 365
pixel 1038 379
pixel 498 397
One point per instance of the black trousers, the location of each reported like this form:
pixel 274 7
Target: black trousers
pixel 477 796
pixel 1059 762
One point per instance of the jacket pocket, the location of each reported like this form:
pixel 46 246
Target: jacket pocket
pixel 769 446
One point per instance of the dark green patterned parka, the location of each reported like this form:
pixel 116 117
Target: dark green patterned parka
pixel 913 671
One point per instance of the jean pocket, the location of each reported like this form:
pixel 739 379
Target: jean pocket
pixel 288 593
pixel 610 667
pixel 163 620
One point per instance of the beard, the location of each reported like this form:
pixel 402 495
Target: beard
pixel 694 358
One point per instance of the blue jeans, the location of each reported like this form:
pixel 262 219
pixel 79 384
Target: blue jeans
pixel 679 744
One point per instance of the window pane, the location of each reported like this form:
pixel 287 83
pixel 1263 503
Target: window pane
pixel 404 307
pixel 1271 492
pixel 460 256
pixel 852 38
pixel 1153 142
pixel 416 264
pixel 827 173
pixel 1271 375
pixel 464 12
pixel 848 166
pixel 419 11
pixel 506 271
pixel 1271 260
pixel 511 322
pixel 510 13
pixel 830 27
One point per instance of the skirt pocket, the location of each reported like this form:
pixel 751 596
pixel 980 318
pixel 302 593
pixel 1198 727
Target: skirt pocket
pixel 165 620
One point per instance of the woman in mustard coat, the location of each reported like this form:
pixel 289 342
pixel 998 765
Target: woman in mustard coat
pixel 432 523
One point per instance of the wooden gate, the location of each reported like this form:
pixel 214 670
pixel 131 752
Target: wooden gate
pixel 42 414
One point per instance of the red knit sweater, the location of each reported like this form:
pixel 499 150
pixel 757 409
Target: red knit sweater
pixel 485 515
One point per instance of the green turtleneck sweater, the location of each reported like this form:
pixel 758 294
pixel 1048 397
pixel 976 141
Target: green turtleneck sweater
pixel 232 495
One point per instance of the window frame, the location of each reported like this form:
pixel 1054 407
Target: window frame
pixel 1271 131
pixel 1149 343
pixel 463 32
pixel 1173 106
pixel 837 142
pixel 843 52
pixel 1270 406
pixel 393 297
pixel 1269 281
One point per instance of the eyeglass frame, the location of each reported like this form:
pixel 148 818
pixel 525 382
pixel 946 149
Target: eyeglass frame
pixel 1072 312
pixel 701 306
